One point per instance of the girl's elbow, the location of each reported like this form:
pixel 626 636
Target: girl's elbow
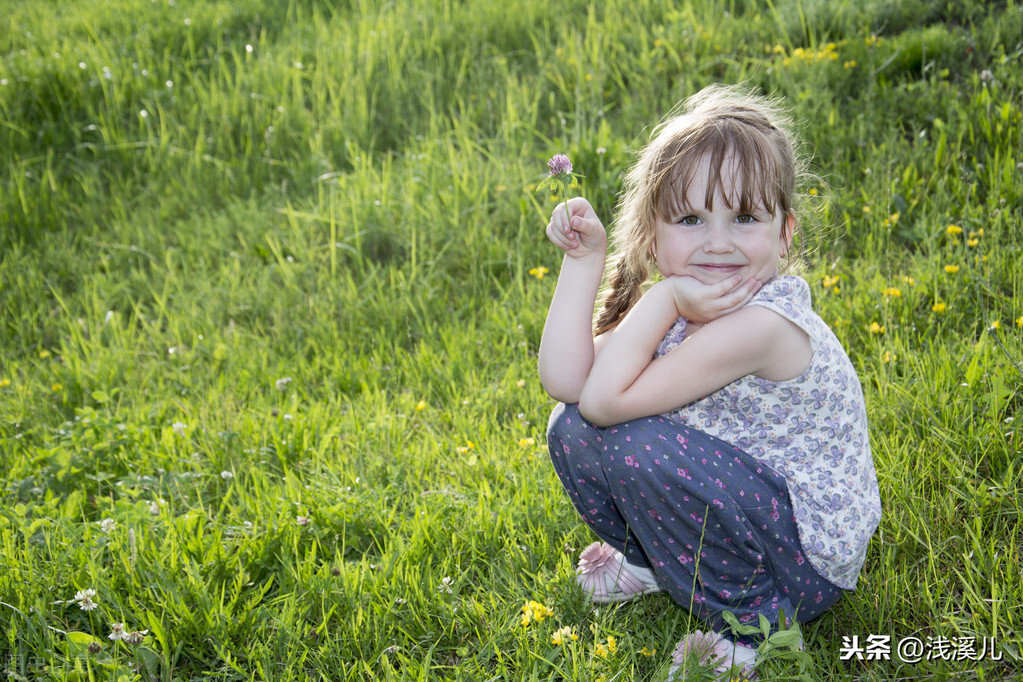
pixel 596 409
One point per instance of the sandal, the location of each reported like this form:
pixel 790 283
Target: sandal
pixel 710 648
pixel 606 577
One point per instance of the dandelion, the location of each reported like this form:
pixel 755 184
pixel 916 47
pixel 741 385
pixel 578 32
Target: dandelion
pixel 85 599
pixel 951 269
pixel 892 292
pixel 953 229
pixel 117 631
pixel 939 307
pixel 445 585
pixel 179 428
pixel 876 328
pixel 282 384
pixel 420 406
pixel 601 151
pixel 539 272
pixel 136 637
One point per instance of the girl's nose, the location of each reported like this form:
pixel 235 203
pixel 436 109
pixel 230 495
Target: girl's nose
pixel 718 241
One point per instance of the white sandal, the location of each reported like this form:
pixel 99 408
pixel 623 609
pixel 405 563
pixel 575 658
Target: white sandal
pixel 605 575
pixel 710 648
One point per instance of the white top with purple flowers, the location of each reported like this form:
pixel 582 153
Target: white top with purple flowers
pixel 811 429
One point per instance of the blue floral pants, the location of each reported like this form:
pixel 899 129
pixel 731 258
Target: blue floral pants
pixel 713 524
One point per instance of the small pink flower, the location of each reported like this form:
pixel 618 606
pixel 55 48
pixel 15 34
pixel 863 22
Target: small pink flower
pixel 559 165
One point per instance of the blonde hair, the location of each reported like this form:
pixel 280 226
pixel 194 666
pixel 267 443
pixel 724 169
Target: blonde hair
pixel 719 122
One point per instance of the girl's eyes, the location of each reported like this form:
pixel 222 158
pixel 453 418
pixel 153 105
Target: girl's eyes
pixel 742 219
pixel 688 220
pixel 746 218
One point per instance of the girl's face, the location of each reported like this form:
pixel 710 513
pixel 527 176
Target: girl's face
pixel 713 245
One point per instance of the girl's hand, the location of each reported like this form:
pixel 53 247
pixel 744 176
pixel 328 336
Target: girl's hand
pixel 585 236
pixel 701 303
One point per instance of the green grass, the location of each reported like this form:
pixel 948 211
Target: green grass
pixel 268 262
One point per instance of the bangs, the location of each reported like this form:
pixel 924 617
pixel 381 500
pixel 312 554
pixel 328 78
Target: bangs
pixel 744 167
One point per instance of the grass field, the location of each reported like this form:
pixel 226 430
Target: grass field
pixel 272 287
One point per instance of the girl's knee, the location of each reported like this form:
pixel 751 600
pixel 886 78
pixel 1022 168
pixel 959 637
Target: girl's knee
pixel 566 424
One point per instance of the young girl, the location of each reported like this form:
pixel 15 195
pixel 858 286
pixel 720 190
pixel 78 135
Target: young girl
pixel 712 431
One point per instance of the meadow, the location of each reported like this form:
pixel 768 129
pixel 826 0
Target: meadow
pixel 272 283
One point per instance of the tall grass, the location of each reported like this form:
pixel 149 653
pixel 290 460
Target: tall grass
pixel 269 330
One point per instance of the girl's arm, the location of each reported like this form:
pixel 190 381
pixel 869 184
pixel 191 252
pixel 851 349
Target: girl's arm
pixel 625 383
pixel 567 349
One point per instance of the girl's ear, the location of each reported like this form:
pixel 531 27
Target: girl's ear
pixel 788 231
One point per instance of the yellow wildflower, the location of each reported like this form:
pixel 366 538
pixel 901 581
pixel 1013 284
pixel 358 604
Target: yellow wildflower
pixel 5 382
pixel 520 383
pixel 1019 321
pixel 908 280
pixel 539 272
pixel 893 292
pixel 647 652
pixel 939 307
pixel 526 442
pixel 851 64
pixel 954 229
pixel 876 328
pixel 420 406
pixel 600 651
pixel 612 644
pixel 813 191
pixel 564 636
pixel 972 242
pixel 534 611
pixel 57 387
pixel 887 357
pixel 866 209
pixel 995 324
pixel 891 220
pixel 830 281
pixel 43 354
pixel 951 269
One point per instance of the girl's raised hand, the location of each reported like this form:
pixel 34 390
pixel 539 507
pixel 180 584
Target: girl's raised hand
pixel 701 303
pixel 585 236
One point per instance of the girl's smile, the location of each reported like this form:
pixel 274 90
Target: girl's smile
pixel 713 243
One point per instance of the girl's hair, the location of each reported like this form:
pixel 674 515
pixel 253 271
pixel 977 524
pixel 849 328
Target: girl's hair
pixel 719 122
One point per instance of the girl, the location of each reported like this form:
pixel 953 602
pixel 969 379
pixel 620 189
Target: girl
pixel 712 431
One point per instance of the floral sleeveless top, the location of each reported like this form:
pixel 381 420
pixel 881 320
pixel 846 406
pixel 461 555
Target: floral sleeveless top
pixel 811 429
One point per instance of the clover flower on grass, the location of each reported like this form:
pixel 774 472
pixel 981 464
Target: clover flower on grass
pixel 85 599
pixel 107 525
pixel 445 584
pixel 136 636
pixel 282 384
pixel 117 631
